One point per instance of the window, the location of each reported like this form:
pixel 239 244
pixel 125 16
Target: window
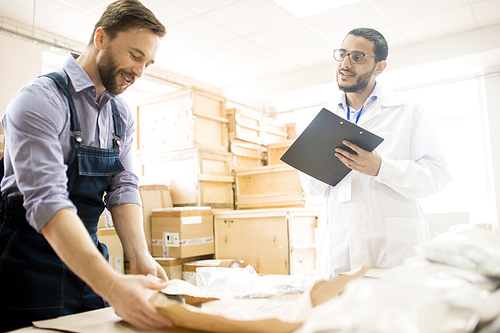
pixel 459 118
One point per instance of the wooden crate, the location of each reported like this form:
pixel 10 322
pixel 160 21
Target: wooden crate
pixel 273 241
pixel 197 177
pixel 276 150
pixel 255 127
pixel 182 232
pixel 274 131
pixel 268 186
pixel 247 154
pixel 187 118
pixel 245 125
pixel 153 196
pixel 291 130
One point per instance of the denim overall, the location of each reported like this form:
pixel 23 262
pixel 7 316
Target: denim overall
pixel 34 283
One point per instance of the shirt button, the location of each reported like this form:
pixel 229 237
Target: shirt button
pixel 382 180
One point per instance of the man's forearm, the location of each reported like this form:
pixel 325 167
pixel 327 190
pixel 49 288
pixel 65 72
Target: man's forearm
pixel 71 241
pixel 128 222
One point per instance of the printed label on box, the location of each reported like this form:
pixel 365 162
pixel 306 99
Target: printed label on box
pixel 191 220
pixel 171 239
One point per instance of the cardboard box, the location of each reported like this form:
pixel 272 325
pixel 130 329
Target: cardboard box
pixel 109 237
pixel 105 220
pixel 173 266
pixel 153 196
pixel 182 232
pixel 189 268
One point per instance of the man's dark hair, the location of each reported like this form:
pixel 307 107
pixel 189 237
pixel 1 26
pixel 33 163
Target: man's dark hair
pixel 381 48
pixel 123 15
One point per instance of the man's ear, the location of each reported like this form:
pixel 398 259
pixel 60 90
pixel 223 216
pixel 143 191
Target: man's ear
pixel 99 38
pixel 380 67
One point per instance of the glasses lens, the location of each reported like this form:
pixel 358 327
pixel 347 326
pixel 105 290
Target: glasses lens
pixel 357 57
pixel 339 55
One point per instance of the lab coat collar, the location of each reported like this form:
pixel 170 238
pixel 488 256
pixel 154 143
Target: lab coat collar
pixel 379 98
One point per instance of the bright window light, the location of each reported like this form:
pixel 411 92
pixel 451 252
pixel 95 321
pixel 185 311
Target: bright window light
pixel 302 9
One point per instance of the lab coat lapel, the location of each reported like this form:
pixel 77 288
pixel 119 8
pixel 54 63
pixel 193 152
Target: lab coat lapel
pixel 385 98
pixel 372 111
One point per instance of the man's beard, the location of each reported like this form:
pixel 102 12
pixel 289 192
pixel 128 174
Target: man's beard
pixel 361 83
pixel 108 71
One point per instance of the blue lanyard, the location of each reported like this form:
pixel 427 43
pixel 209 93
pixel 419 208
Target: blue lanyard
pixel 349 111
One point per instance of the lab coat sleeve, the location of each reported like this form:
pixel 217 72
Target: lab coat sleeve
pixel 312 186
pixel 425 172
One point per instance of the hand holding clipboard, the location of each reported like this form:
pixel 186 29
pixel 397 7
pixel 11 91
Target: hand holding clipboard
pixel 313 152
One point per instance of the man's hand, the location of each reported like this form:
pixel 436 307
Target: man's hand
pixel 145 264
pixel 128 295
pixel 364 162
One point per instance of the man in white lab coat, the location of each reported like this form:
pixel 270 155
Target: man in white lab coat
pixel 373 216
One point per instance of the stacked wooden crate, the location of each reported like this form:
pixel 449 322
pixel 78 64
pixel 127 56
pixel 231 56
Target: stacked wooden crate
pixel 272 228
pixel 183 136
pixel 273 241
pixel 246 138
pixel 206 152
pixel 249 134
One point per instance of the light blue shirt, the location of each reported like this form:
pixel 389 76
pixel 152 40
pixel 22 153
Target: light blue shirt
pixel 38 147
pixel 354 113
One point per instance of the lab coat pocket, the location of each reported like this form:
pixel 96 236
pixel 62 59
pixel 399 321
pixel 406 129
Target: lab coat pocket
pixel 403 234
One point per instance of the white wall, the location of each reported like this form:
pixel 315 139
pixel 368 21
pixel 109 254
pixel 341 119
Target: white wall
pixel 492 86
pixel 20 61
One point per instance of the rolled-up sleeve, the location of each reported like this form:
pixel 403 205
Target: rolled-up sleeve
pixel 32 124
pixel 124 187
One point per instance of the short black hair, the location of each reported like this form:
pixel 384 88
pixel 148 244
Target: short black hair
pixel 381 48
pixel 123 15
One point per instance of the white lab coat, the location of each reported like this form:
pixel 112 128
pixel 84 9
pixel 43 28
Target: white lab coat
pixel 377 221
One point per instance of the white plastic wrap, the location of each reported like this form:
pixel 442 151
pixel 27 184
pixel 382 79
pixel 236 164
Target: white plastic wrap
pixel 406 300
pixel 467 247
pixel 245 282
pixel 446 271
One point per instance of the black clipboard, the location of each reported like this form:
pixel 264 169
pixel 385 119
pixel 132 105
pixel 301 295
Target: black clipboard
pixel 313 152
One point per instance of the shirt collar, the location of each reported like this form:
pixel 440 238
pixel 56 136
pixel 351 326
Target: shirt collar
pixel 373 97
pixel 80 79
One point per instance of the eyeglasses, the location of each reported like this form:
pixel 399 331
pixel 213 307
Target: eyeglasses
pixel 355 57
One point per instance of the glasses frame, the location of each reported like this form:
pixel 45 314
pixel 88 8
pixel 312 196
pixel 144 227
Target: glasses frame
pixel 348 55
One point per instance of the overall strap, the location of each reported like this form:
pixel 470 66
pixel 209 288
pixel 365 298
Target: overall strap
pixel 118 124
pixel 75 130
